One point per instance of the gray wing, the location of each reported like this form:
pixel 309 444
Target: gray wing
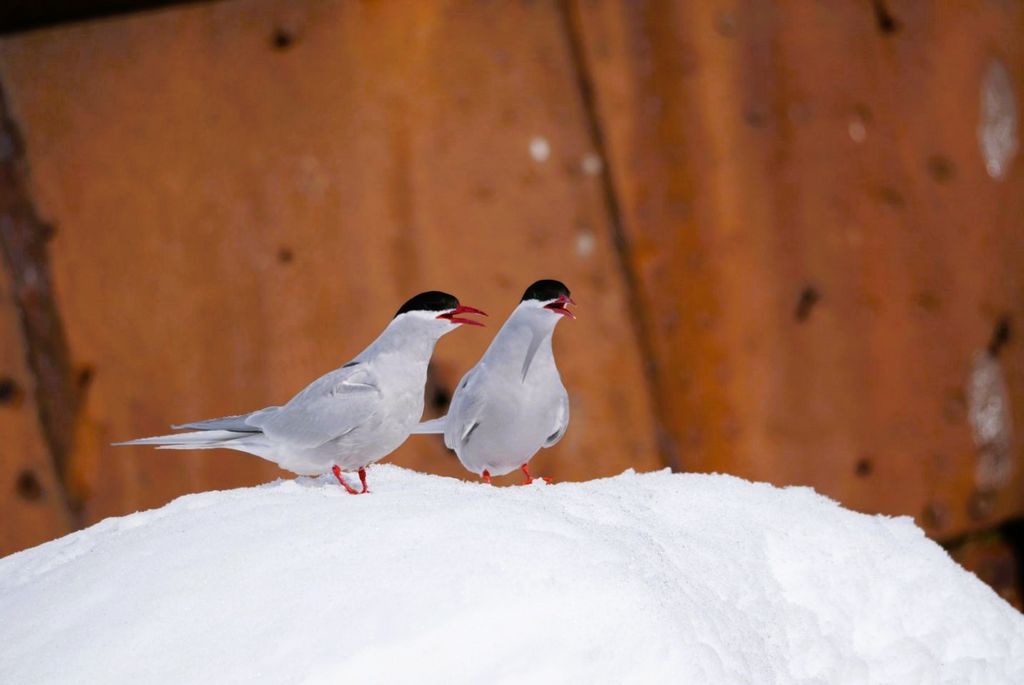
pixel 329 407
pixel 467 407
pixel 561 421
pixel 239 423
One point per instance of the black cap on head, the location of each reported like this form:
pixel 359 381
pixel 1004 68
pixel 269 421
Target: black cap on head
pixel 545 290
pixel 430 301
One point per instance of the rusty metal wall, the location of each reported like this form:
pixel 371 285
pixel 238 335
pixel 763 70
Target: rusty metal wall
pixel 792 260
pixel 821 248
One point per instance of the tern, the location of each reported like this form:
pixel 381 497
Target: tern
pixel 348 418
pixel 512 403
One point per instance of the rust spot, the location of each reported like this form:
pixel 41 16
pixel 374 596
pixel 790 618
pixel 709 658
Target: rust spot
pixel 438 391
pixel 28 487
pixel 941 168
pixel 1000 335
pixel 928 301
pixel 891 197
pixel 484 193
pixel 725 24
pixel 887 23
pixel 440 398
pixel 756 118
pixel 809 297
pixel 85 377
pixel 282 39
pixel 864 467
pixel 10 393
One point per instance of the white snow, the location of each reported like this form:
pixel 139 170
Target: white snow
pixel 651 578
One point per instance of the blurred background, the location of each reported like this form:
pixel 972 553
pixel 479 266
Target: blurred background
pixel 795 231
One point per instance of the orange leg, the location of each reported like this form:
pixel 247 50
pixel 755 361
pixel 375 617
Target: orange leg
pixel 486 475
pixel 348 488
pixel 529 478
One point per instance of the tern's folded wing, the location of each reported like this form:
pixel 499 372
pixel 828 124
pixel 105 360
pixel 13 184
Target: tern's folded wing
pixel 467 408
pixel 326 409
pixel 239 423
pixel 561 421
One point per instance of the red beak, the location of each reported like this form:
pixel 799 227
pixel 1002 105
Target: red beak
pixel 558 306
pixel 453 315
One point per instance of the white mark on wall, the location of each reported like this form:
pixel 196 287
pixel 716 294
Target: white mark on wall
pixel 585 243
pixel 591 164
pixel 540 148
pixel 988 411
pixel 858 131
pixel 997 121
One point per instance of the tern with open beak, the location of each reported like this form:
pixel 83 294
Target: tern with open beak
pixel 350 417
pixel 512 403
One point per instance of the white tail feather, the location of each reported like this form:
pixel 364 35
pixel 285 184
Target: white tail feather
pixel 189 441
pixel 432 426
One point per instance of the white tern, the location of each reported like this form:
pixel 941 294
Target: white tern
pixel 512 403
pixel 350 417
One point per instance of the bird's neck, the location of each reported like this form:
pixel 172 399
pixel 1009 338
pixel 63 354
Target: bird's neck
pixel 404 340
pixel 520 347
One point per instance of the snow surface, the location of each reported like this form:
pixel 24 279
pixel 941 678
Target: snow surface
pixel 650 578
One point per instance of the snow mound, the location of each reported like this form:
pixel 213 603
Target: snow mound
pixel 652 578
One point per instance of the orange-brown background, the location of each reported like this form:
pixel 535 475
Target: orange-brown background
pixel 775 216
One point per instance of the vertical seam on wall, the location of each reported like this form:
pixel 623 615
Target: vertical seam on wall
pixel 23 238
pixel 641 320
